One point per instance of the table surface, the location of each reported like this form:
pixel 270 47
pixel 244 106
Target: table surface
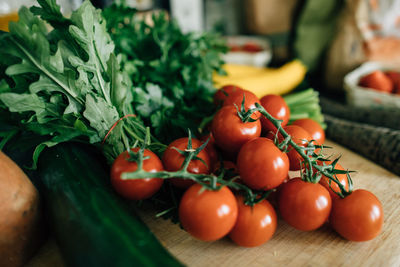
pixel 288 247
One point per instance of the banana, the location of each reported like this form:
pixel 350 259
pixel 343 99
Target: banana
pixel 263 81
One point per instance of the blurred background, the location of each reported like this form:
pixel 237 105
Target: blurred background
pixel 332 37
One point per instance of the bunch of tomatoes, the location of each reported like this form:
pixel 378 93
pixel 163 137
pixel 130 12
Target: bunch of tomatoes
pixel 247 144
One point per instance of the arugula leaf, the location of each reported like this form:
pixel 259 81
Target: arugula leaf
pixel 100 114
pixel 65 84
pixel 23 102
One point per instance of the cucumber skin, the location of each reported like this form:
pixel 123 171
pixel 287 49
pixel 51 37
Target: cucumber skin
pixel 92 226
pixel 379 144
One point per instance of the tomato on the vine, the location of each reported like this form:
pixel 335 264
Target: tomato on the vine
pixel 229 132
pixel 210 149
pixel 136 189
pixel 358 216
pixel 208 215
pixel 333 186
pixel 254 225
pixel 261 164
pixel 276 106
pixel 226 164
pixel 305 206
pixel 236 98
pixel 301 138
pixel 173 160
pixel 224 92
pixel 313 128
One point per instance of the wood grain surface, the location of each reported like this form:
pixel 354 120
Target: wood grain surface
pixel 290 247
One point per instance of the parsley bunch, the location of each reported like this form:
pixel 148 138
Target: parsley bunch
pixel 171 71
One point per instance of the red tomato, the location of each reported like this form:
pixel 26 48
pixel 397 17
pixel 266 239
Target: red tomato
pixel 224 92
pixel 173 161
pixel 229 132
pixel 274 195
pixel 394 76
pixel 358 216
pixel 136 189
pixel 303 205
pixel 210 149
pixel 334 187
pixel 254 225
pixel 300 137
pixel 228 165
pixel 208 215
pixel 377 80
pixel 262 165
pixel 313 128
pixel 276 106
pixel 251 47
pixel 236 98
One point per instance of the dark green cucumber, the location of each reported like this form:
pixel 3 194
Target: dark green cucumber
pixel 92 226
pixel 388 117
pixel 379 144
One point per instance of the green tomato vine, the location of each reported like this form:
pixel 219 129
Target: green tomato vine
pixel 311 171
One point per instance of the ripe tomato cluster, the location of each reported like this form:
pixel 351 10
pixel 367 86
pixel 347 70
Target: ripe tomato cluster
pixel 247 144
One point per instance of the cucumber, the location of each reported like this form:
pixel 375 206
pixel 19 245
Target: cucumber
pixel 92 225
pixel 379 144
pixel 388 117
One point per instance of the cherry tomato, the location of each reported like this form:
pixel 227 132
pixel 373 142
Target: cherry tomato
pixel 277 107
pixel 229 132
pixel 210 149
pixel 173 160
pixel 254 225
pixel 394 76
pixel 377 80
pixel 300 137
pixel 252 47
pixel 236 98
pixel 224 92
pixel 313 128
pixel 228 165
pixel 334 187
pixel 136 189
pixel 262 165
pixel 303 205
pixel 208 215
pixel 358 216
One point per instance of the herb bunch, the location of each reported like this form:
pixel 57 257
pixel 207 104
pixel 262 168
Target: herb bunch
pixel 171 71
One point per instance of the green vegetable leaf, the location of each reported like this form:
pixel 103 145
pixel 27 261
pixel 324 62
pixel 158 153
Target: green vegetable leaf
pixel 65 84
pixel 23 102
pixel 50 12
pixel 151 100
pixel 100 114
pixel 171 71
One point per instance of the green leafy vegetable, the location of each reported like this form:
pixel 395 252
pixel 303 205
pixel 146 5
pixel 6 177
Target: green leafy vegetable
pixel 171 71
pixel 66 84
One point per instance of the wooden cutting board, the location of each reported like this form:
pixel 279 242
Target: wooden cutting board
pixel 288 247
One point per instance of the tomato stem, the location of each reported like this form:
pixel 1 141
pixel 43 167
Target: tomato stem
pixel 310 161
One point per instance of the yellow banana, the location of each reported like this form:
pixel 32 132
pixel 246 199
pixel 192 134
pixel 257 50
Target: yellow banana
pixel 263 81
